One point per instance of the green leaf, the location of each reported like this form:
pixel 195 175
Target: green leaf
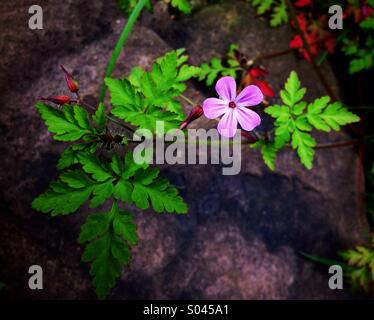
pixel 303 124
pixel 116 165
pixel 101 192
pixel 293 120
pixel 94 167
pixel 99 116
pixel 268 151
pixel 148 120
pixel 264 6
pixel 368 23
pixel 96 225
pixel 70 154
pixel 181 5
pixel 147 97
pixel 123 94
pixel 162 196
pixel 361 261
pixel 211 71
pixel 125 227
pixel 75 179
pixel 68 124
pixel 61 199
pixel 187 72
pixel 131 167
pixel 122 191
pixel 278 10
pixel 107 251
pixel 303 143
pixel 326 117
pixel 136 76
pixel 279 14
pixel 281 113
pixel 292 93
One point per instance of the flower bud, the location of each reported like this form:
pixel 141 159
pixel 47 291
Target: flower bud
pixel 58 99
pixel 71 83
pixel 195 113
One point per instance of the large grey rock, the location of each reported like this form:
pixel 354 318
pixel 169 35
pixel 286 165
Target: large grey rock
pixel 242 235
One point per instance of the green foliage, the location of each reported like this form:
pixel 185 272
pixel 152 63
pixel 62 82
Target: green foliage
pixel 211 71
pixel 2 286
pixel 109 236
pixel 361 261
pixel 359 46
pixel 362 56
pixel 158 192
pixel 141 99
pixel 295 119
pixel 99 117
pixel 146 97
pixel 69 123
pixel 182 5
pixel 268 151
pixel 368 23
pixel 278 10
pixel 122 179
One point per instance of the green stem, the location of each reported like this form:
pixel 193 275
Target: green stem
pixel 188 100
pixel 121 41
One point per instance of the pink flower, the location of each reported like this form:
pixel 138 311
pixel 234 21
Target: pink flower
pixel 233 107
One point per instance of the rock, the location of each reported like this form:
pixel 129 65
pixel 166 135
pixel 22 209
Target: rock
pixel 68 27
pixel 243 234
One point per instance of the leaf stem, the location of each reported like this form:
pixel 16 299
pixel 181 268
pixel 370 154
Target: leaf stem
pixel 110 118
pixel 121 41
pixel 188 100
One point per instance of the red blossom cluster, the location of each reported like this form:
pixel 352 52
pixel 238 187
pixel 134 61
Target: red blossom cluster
pixel 315 34
pixel 315 30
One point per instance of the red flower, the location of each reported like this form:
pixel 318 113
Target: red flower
pixel 71 83
pixel 330 45
pixel 254 73
pixel 302 3
pixel 265 88
pixel 58 99
pixel 296 42
pixel 195 113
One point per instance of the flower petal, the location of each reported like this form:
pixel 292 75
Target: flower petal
pixel 226 88
pixel 250 96
pixel 214 108
pixel 228 124
pixel 247 118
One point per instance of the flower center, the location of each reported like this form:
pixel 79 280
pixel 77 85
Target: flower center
pixel 232 104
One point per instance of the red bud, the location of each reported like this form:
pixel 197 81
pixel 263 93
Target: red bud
pixel 195 113
pixel 257 72
pixel 71 83
pixel 58 99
